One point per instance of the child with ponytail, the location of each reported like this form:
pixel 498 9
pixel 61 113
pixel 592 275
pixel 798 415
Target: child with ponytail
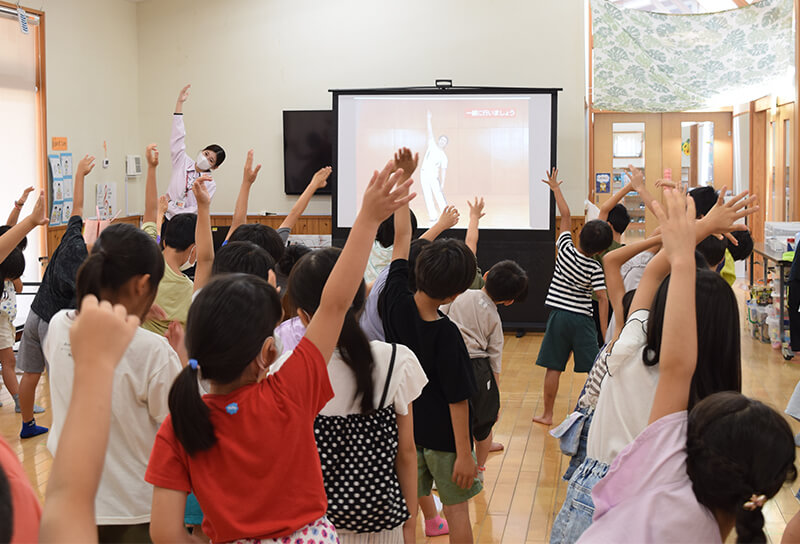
pixel 692 476
pixel 247 449
pixel 124 267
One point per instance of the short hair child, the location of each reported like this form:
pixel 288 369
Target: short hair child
pixel 619 218
pixel 570 326
pixel 263 236
pixel 475 313
pixel 243 257
pixel 11 270
pixel 713 250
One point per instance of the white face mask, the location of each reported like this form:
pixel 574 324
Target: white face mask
pixel 188 264
pixel 202 163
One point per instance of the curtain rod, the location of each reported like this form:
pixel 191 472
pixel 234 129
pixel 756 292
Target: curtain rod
pixel 12 13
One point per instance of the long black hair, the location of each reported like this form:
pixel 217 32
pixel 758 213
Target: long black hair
pixel 306 283
pixel 719 362
pixel 120 253
pixel 228 323
pixel 738 447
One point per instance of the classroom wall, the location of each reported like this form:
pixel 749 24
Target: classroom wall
pixel 92 84
pixel 247 60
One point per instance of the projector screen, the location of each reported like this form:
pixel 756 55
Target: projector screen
pixel 491 145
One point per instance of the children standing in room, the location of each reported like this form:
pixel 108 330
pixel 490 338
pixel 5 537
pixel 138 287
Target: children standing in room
pixel 475 313
pixel 570 327
pixel 207 444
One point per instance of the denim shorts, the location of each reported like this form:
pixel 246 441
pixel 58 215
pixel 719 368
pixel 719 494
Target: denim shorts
pixel 576 513
pixel 576 460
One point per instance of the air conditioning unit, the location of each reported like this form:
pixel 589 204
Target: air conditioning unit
pixel 133 165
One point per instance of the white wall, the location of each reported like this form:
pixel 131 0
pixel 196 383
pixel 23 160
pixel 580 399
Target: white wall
pixel 248 60
pixel 92 84
pixel 741 153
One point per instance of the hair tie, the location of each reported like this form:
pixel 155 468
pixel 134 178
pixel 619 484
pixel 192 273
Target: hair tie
pixel 193 364
pixel 756 501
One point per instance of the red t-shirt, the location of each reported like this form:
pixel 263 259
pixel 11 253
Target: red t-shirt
pixel 27 510
pixel 262 478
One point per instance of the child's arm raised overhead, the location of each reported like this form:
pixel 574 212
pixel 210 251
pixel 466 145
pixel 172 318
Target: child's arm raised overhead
pixel 678 357
pixel 85 166
pixel 475 214
pixel 15 234
pixel 561 202
pixel 13 217
pixel 382 197
pixel 613 200
pixel 98 338
pixel 402 216
pixel 318 181
pixel 447 220
pixel 636 182
pixel 202 233
pixel 248 179
pixel 612 263
pixel 150 188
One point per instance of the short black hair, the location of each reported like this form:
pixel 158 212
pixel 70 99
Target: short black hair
pixel 220 153
pixel 712 249
pixel 595 237
pixel 262 236
pixel 23 243
pixel 619 218
pixel 745 247
pixel 445 268
pixel 506 280
pixel 291 254
pixel 385 234
pixel 13 266
pixel 179 232
pixel 704 200
pixel 243 258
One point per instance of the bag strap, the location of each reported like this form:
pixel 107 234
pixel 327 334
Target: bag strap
pixel 388 377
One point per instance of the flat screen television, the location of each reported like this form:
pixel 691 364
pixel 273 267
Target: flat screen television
pixel 307 147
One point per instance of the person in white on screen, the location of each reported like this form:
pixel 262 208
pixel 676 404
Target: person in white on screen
pixel 186 170
pixel 432 173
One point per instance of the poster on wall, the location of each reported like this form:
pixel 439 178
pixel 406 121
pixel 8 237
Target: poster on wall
pixel 66 186
pixel 602 183
pixel 56 189
pixel 66 211
pixel 106 200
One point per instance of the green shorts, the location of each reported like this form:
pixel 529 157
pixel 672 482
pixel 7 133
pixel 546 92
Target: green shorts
pixel 566 333
pixel 437 466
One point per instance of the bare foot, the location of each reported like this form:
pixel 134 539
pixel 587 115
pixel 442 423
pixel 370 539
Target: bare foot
pixel 544 420
pixel 496 446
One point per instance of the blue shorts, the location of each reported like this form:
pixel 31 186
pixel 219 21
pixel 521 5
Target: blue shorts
pixel 576 513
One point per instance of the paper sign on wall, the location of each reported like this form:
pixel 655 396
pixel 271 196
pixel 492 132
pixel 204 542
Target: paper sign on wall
pixel 602 183
pixel 106 200
pixel 59 143
pixel 56 189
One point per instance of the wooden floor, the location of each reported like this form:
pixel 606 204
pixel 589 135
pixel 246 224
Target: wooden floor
pixel 523 488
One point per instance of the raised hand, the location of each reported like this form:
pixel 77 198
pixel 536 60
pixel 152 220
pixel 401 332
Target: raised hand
pixel 678 226
pixel 449 218
pixel 200 191
pixel 101 333
pixel 721 219
pixel 635 178
pixel 184 94
pixel 24 197
pixel 152 155
pixel 552 179
pixel 85 165
pixel 386 193
pixel 476 209
pixel 320 178
pixel 163 205
pixel 39 214
pixel 250 173
pixel 403 159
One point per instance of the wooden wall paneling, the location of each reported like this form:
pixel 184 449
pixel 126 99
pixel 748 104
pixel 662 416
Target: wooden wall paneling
pixel 758 167
pixel 694 146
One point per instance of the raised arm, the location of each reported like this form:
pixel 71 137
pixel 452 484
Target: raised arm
pixel 12 237
pixel 636 182
pixel 182 97
pixel 612 263
pixel 447 220
pixel 163 206
pixel 613 200
pixel 402 216
pixel 431 138
pixel 150 187
pixel 85 166
pixel 475 214
pixel 13 217
pixel 319 181
pixel 563 208
pixel 177 142
pixel 678 356
pixel 202 233
pixel 382 197
pixel 98 340
pixel 248 179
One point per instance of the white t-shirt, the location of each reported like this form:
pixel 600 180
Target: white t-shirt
pixel 626 393
pixel 477 318
pixel 139 404
pixel 406 384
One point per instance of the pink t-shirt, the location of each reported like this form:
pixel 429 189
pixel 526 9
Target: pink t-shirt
pixel 647 495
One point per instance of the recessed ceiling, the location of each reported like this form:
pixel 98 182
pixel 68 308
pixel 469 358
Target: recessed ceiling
pixel 682 6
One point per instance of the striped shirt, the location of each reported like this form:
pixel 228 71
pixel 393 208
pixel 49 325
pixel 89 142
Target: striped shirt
pixel 574 279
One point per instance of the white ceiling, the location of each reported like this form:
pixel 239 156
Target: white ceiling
pixel 681 6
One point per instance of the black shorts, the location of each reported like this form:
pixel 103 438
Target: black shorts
pixel 486 402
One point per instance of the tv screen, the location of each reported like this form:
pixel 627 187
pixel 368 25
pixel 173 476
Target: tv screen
pixel 307 147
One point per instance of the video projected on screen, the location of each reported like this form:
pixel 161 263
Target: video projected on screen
pixel 494 145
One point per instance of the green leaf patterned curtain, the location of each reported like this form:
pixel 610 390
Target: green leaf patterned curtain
pixel 654 62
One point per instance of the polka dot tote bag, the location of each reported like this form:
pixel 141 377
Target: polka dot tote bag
pixel 358 454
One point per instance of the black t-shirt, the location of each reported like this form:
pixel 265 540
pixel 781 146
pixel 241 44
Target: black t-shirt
pixel 57 291
pixel 441 351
